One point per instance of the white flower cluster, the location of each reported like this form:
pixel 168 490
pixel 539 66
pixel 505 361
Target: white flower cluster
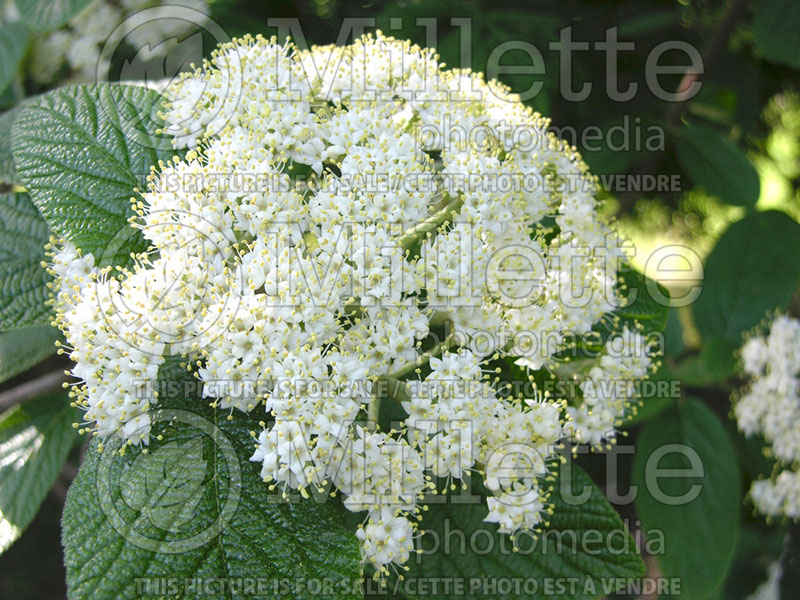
pixel 79 43
pixel 770 407
pixel 312 240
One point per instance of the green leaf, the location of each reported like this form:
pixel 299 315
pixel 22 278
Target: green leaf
pixel 575 546
pixel 775 25
pixel 46 15
pixel 698 515
pixel 718 360
pixel 604 148
pixel 641 309
pixel 173 481
pixel 752 269
pixel 21 349
pixel 195 507
pixel 643 305
pixel 35 439
pixel 23 280
pixel 665 393
pixel 13 42
pixel 649 22
pixel 649 410
pixel 8 173
pixel 673 335
pixel 81 151
pixel 714 364
pixel 718 165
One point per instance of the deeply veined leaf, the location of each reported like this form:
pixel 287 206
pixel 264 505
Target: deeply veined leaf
pixel 35 439
pixel 23 280
pixel 20 349
pixel 7 171
pixel 81 152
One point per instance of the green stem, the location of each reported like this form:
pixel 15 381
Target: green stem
pixel 373 412
pixel 432 223
pixel 423 358
pixel 396 390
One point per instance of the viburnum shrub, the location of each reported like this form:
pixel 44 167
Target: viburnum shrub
pixel 380 229
pixel 349 321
